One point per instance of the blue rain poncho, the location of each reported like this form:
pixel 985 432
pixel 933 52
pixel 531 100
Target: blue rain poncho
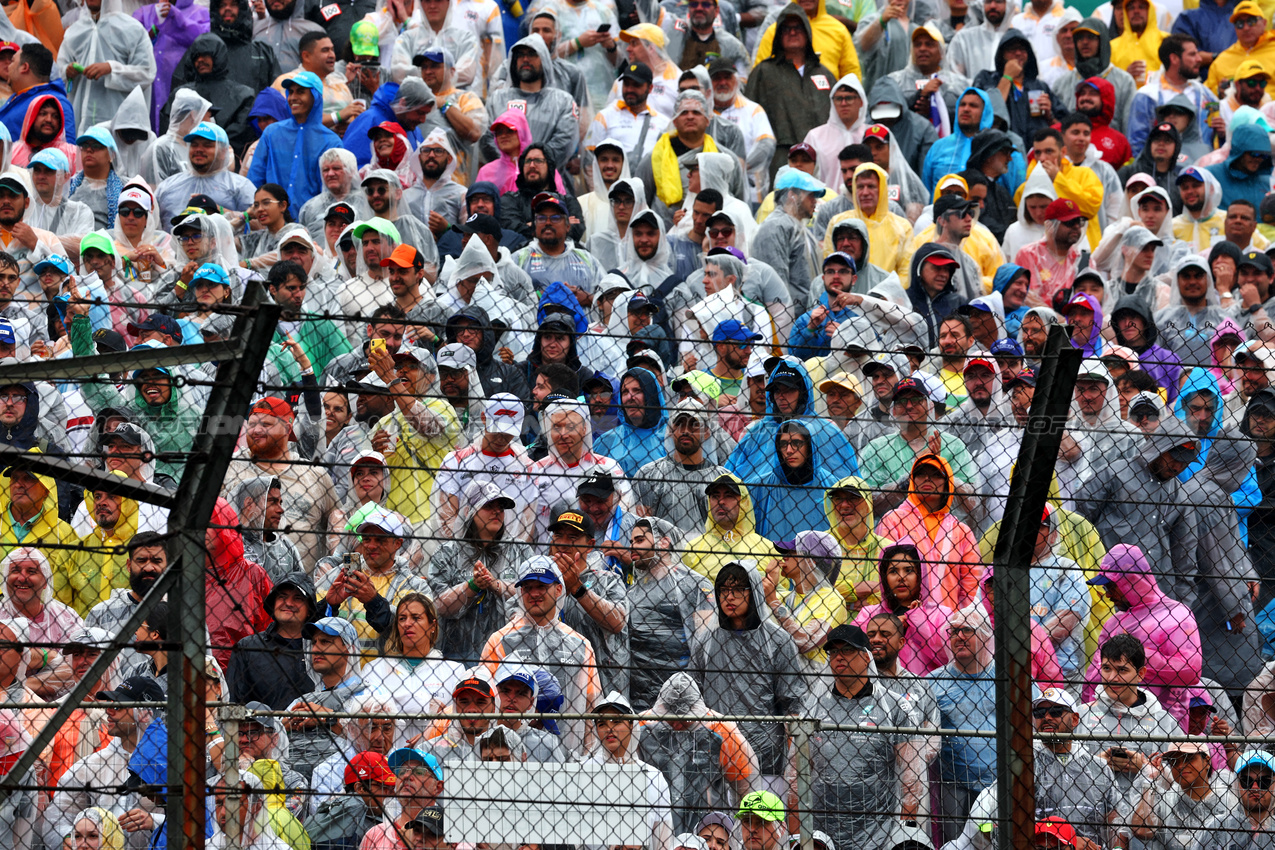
pixel 288 153
pixel 634 446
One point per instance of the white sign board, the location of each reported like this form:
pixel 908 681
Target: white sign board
pixel 505 803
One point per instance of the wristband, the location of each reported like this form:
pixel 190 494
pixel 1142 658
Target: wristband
pixel 579 46
pixel 473 586
pixel 1007 78
pixel 579 593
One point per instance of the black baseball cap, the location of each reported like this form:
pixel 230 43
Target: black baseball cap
pixel 847 635
pixel 343 211
pixel 429 819
pixel 723 482
pixel 638 72
pixel 1257 260
pixel 480 223
pixel 721 65
pixel 126 433
pixel 639 303
pixel 949 203
pixel 548 198
pixel 134 689
pixel 573 519
pixel 107 340
pixel 599 484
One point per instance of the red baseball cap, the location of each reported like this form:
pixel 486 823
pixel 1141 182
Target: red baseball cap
pixel 1063 209
pixel 878 132
pixel 274 406
pixel 1079 300
pixel 370 767
pixel 389 127
pixel 6 46
pixel 802 147
pixel 1058 828
pixel 473 683
pixel 985 362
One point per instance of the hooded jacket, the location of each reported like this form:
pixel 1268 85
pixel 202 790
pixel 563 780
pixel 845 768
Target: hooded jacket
pixel 1004 277
pixel 790 500
pixel 235 589
pixel 231 99
pixel 914 134
pixel 1167 180
pixel 497 376
pixel 1021 121
pixel 633 445
pixel 1237 184
pixel 149 762
pixel 552 114
pixel 63 141
pixel 14 111
pixel 172 35
pixel 831 40
pixel 717 546
pixel 249 61
pixel 516 213
pixel 999 209
pixel 795 103
pixel 950 154
pixel 1109 139
pixel 266 667
pixel 947 546
pixel 379 111
pixel 922 650
pixel 933 308
pixel 115 38
pixel 100 565
pixel 889 235
pixel 1156 360
pixel 1166 628
pixel 558 324
pixel 755 670
pixel 830 137
pixel 288 154
pixel 752 459
pixel 48 532
pixel 1100 67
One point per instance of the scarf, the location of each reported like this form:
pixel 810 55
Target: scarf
pixel 666 170
pixel 113 188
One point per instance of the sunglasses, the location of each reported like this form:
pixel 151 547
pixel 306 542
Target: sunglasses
pixel 1256 780
pixel 719 232
pixel 131 212
pixel 1054 711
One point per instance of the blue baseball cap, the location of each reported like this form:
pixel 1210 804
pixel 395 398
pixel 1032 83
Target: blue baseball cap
pixel 1255 758
pixel 101 135
pixel 407 755
pixel 7 335
pixel 843 257
pixel 517 674
pixel 206 130
pixel 1100 580
pixel 52 159
pixel 435 56
pixel 157 322
pixel 332 627
pixel 149 344
pixel 1007 348
pixel 1189 173
pixel 307 79
pixel 797 179
pixel 732 330
pixel 539 569
pixel 54 263
pixel 211 272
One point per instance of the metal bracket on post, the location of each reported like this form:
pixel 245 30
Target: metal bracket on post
pixel 801 731
pixel 229 717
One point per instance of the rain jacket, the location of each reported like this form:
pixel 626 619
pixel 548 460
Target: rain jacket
pixel 950 154
pixel 1021 121
pixel 1190 335
pixel 934 309
pixel 172 35
pixel 831 40
pixel 150 763
pixel 1166 628
pixel 288 154
pixel 115 38
pixel 889 235
pixel 717 547
pixel 47 531
pixel 752 458
pixel 131 158
pixel 806 343
pixel 635 445
pixel 1201 230
pixel 270 669
pixel 1156 360
pixel 786 244
pixel 497 376
pixel 100 565
pixel 283 34
pixel 251 62
pixel 973 48
pixel 860 562
pixel 791 500
pixel 463 634
pixel 63 141
pixel 795 103
pixel 829 138
pixel 752 671
pixel 552 114
pixel 1108 135
pixel 235 589
pixel 13 113
pixel 922 650
pixel 232 100
pixel 379 111
pixel 1166 180
pixel 1115 112
pixel 673 490
pixel 1155 94
pixel 948 548
pixel 1237 184
pixel 1125 502
pixel 915 134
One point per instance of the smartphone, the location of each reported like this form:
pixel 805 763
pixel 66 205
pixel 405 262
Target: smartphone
pixel 604 28
pixel 347 564
pixel 377 345
pixel 1118 751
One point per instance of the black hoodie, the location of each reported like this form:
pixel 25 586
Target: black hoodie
pixel 231 100
pixel 266 667
pixel 999 211
pixel 252 63
pixel 497 376
pixel 1021 121
pixel 933 310
pixel 515 207
pixel 557 324
pixel 1145 164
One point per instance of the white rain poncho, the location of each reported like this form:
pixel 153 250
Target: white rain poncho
pixel 446 197
pixel 232 191
pixel 149 517
pixel 130 157
pixel 58 621
pixel 1128 240
pixel 416 36
pixel 168 155
pixel 6 148
pixel 115 38
pixel 313 210
pixel 475 259
pixel 412 230
pixel 716 307
pixel 96 194
pixel 649 273
pixel 60 216
pixel 828 139
pixel 720 171
pixel 557 480
pixel 605 243
pixel 1187 334
pixel 659 815
pixel 609 342
pixel 596 205
pixel 1023 232
pixel 284 34
pixel 153 234
pixel 357 736
pixel 502 737
pixel 1199 237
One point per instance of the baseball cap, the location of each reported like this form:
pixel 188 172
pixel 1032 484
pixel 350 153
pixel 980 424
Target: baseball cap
pixel 617 701
pixel 979 360
pixel 907 386
pixel 51 158
pixel 416 354
pixel 1063 209
pixel 1247 8
pixel 723 482
pixel 8 335
pixel 885 362
pixel 57 263
pixel 844 380
pixel 639 303
pixel 1190 173
pixel 884 111
pixel 795 178
pixel 105 339
pixel 87 637
pixel 802 147
pixel 1257 260
pixel 125 432
pixel 403 256
pixel 847 635
pixel 369 767
pixel 1187 747
pixel 1080 301
pixel 100 241
pixel 1058 828
pixel 480 493
pixel 157 322
pixel 573 519
pixel 332 627
pixel 645 32
pixel 1163 129
pixel 407 755
pixel 428 819
pixel 9 47
pixel 15 184
pixel 391 127
pixel 762 804
pixel 1255 758
pixel 505 414
pixel 480 223
pixel 134 689
pixel 341 210
pixel 203 130
pixel 133 195
pixel 365 39
pixel 212 273
pixel 732 330
pixel 435 56
pixel 1056 696
pixel 721 65
pixel 391 522
pixel 1007 348
pixel 456 356
pixel 949 204
pixel 877 131
pixel 1025 378
pixel 305 79
pixel 843 257
pixel 940 257
pixel 103 137
pixel 931 29
pixel 1201 702
pixel 597 484
pixel 273 406
pixel 538 570
pixel 548 198
pixel 638 72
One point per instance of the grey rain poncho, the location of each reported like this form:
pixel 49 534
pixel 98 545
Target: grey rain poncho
pixel 167 156
pixel 283 34
pixel 130 157
pixel 551 113
pixel 313 211
pixel 277 556
pixel 673 490
pixel 786 244
pixel 115 38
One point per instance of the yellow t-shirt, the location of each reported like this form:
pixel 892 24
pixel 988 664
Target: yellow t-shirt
pixel 824 604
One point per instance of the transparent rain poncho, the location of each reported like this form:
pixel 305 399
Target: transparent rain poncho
pixel 646 274
pixel 60 216
pixel 130 158
pixel 475 259
pixel 153 234
pixel 313 211
pixel 168 155
pixel 115 38
pixel 606 243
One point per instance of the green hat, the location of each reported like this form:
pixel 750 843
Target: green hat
pixel 762 804
pixel 365 39
pixel 100 241
pixel 381 226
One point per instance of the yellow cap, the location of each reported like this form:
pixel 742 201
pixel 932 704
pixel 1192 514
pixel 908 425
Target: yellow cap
pixel 844 380
pixel 932 30
pixel 1251 68
pixel 646 32
pixel 1247 8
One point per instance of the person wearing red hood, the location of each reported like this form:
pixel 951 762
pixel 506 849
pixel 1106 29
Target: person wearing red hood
pixel 1096 98
pixel 44 127
pixel 1166 628
pixel 235 589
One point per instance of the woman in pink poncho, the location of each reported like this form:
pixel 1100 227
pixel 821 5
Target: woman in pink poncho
pixel 903 593
pixel 512 136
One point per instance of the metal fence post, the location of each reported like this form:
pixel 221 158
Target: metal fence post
pixel 230 716
pixel 801 732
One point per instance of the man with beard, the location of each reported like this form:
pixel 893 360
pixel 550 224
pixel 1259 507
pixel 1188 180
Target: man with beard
pixel 956 336
pixel 1093 60
pixel 631 120
pixel 661 171
pixel 319 338
pixel 1054 260
pixel 26 244
pixel 282 28
pixel 985 409
pixel 438 191
pixel 1180 62
pixel 973 48
pixel 1096 98
pixel 251 62
pixel 231 100
pixel 697 41
pixel 209 156
pixel 953 222
pixel 29 74
pixel 730 104
pixel 671 487
pixel 147 560
pixel 384 193
pixel 269 666
pixel 552 115
pixel 551 256
pixel 1186 327
pixel 566 75
pixel 951 153
pixel 536 168
pixel 1249 88
pixel 1255 771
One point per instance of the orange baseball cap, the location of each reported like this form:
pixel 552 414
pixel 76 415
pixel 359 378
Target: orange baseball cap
pixel 405 257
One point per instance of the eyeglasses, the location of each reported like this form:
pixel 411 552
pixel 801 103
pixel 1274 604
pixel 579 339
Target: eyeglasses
pixel 846 98
pixel 719 232
pixel 1249 21
pixel 376 190
pixel 1054 711
pixel 13 397
pixel 187 238
pixel 960 631
pixel 535 161
pixel 556 218
pixel 423 772
pixel 785 445
pixel 733 592
pixel 252 732
pixel 1256 780
pixel 265 202
pixel 131 212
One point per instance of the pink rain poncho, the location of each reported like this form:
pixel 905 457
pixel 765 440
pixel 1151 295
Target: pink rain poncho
pixel 927 623
pixel 504 171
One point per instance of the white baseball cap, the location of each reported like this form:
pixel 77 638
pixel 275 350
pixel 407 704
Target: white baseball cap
pixel 1056 696
pixel 457 355
pixel 391 522
pixel 136 196
pixel 504 414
